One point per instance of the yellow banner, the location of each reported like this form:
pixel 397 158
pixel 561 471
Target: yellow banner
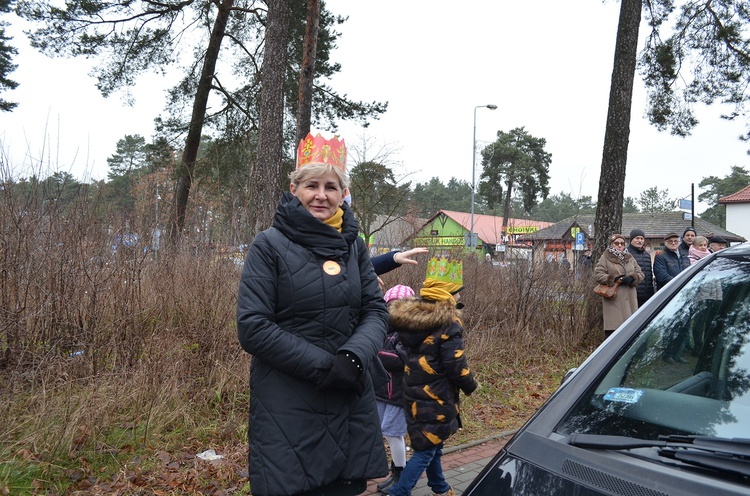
pixel 439 241
pixel 521 229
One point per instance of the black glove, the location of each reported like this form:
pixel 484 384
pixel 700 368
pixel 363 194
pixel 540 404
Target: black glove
pixel 628 280
pixel 344 374
pixel 617 278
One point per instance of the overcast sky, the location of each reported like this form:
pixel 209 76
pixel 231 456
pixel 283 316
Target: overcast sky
pixel 546 64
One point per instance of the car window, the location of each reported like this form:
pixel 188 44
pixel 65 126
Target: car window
pixel 686 372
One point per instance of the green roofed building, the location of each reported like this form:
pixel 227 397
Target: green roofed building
pixel 447 232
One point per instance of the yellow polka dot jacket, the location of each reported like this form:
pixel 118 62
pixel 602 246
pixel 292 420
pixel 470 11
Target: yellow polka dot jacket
pixel 431 344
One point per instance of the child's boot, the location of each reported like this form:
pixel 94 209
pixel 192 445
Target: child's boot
pixel 388 481
pixel 395 476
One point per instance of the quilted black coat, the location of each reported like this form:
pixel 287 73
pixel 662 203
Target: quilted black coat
pixel 293 317
pixel 645 289
pixel 431 342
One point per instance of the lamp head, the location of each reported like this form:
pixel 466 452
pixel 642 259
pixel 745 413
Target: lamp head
pixel 491 107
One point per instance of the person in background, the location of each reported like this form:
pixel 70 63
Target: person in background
pixel 566 270
pixel 583 266
pixel 310 312
pixel 699 249
pixel 645 289
pixel 616 264
pixel 667 265
pixel 707 294
pixel 688 235
pixel 585 261
pixel 669 262
pixel 390 396
pixel 717 243
pixel 430 334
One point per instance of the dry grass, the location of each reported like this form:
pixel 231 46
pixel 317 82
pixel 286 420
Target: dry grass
pixel 117 368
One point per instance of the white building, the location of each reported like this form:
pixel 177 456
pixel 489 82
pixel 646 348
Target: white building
pixel 738 212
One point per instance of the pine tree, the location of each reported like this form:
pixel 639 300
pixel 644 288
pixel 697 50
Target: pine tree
pixel 6 60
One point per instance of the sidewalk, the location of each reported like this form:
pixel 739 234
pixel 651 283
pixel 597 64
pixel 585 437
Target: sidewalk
pixel 461 464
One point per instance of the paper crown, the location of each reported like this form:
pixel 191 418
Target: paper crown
pixel 318 150
pixel 446 271
pixel 444 279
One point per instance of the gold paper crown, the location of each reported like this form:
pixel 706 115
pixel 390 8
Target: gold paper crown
pixel 319 150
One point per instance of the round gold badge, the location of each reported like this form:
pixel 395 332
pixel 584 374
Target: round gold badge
pixel 331 268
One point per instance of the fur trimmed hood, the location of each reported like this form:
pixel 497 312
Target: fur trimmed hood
pixel 416 315
pixel 435 368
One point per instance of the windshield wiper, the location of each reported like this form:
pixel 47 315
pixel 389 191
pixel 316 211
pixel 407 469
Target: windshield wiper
pixel 736 446
pixel 728 455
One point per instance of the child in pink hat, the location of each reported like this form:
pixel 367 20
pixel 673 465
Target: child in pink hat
pixel 398 292
pixel 389 397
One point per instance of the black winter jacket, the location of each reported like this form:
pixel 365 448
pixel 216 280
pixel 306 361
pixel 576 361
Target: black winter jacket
pixel 645 289
pixel 293 317
pixel 431 342
pixel 684 249
pixel 667 265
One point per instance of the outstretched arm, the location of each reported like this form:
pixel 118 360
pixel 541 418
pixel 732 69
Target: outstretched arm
pixel 394 259
pixel 407 257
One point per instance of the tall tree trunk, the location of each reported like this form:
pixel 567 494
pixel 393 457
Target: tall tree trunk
pixel 265 178
pixel 307 72
pixel 506 206
pixel 506 214
pixel 192 142
pixel 617 134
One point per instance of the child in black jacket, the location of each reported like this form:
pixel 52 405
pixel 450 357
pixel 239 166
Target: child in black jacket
pixel 431 342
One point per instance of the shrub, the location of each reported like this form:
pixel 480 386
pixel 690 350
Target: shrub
pixel 108 351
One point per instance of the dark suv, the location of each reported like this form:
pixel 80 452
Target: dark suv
pixel 633 420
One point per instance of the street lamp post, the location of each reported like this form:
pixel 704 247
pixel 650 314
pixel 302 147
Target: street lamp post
pixel 472 240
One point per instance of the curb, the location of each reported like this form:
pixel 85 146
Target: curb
pixel 471 444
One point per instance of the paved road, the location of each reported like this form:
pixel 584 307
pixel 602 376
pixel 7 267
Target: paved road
pixel 460 465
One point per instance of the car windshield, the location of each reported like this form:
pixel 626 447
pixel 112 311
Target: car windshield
pixel 686 372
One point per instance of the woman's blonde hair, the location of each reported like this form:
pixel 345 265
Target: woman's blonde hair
pixel 700 239
pixel 317 170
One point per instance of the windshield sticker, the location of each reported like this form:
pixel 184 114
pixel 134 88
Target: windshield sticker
pixel 623 395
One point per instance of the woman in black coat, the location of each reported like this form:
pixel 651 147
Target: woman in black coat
pixel 310 312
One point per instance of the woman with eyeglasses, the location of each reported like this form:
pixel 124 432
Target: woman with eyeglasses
pixel 617 265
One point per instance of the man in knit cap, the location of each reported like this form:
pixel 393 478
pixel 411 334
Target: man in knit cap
pixel 645 289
